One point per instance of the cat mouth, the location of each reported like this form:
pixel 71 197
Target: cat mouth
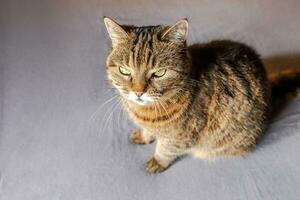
pixel 140 101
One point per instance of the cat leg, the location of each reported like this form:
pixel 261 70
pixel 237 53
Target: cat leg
pixel 142 136
pixel 165 153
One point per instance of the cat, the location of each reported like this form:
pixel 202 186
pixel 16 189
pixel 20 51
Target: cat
pixel 206 100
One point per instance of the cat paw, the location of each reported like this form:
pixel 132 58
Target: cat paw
pixel 153 166
pixel 137 138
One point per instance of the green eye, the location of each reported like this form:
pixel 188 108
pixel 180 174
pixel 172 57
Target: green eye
pixel 124 71
pixel 159 73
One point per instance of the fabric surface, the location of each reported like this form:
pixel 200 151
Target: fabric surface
pixel 64 135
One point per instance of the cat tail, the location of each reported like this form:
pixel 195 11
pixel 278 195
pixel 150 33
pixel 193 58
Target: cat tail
pixel 284 87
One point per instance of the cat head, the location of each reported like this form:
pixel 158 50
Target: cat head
pixel 148 63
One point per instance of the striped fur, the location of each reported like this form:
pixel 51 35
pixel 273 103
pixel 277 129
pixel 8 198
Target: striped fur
pixel 213 101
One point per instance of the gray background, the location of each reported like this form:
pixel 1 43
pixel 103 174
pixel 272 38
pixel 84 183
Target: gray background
pixel 53 145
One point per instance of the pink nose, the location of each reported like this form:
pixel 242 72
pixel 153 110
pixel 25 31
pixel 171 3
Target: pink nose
pixel 139 94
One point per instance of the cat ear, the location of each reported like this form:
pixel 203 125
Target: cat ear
pixel 115 31
pixel 177 32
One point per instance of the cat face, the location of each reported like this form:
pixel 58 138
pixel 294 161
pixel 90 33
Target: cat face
pixel 147 64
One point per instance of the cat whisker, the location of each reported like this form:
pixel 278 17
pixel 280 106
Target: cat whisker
pixel 107 120
pixel 121 116
pixel 101 106
pixel 161 103
pixel 103 119
pixel 167 113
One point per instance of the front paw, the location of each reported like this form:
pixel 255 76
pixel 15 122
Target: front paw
pixel 137 138
pixel 153 166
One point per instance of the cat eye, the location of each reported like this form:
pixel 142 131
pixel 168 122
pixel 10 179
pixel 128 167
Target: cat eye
pixel 159 73
pixel 124 71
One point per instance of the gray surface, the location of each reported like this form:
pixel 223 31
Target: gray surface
pixel 52 74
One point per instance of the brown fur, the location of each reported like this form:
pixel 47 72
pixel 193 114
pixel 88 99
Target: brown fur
pixel 213 101
pixel 285 86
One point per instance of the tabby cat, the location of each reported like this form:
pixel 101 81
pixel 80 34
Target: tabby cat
pixel 207 100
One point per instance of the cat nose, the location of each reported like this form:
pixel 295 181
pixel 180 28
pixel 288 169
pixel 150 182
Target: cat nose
pixel 139 94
